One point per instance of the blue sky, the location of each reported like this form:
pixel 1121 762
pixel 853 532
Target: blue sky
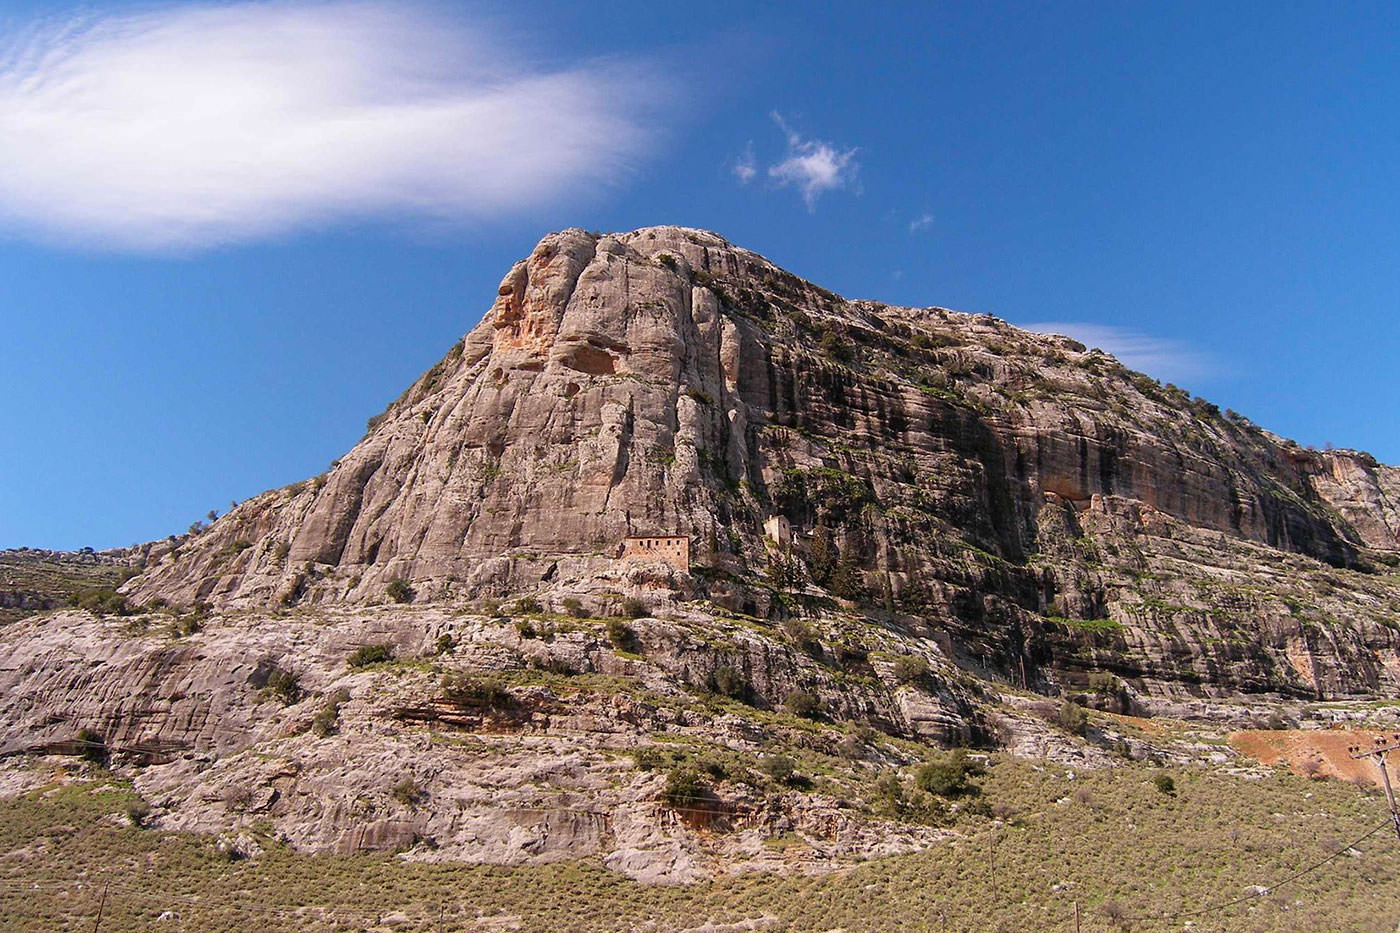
pixel 230 234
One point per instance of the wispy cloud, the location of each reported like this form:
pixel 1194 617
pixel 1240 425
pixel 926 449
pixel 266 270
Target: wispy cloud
pixel 197 125
pixel 746 166
pixel 922 222
pixel 813 166
pixel 1165 359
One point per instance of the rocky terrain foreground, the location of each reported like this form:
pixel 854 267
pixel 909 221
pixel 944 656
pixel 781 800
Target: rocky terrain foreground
pixel 907 530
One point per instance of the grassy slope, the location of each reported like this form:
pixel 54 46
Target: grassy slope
pixel 1117 839
pixel 49 581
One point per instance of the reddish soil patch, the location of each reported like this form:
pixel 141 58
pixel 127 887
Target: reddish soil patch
pixel 1321 753
pixel 1149 726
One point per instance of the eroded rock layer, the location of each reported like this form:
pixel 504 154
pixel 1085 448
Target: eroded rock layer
pixel 940 465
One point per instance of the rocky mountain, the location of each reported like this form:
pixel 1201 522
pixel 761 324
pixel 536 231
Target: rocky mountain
pixel 906 528
pixel 1009 489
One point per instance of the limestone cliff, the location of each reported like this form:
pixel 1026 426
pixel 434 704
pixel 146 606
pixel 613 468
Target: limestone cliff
pixel 981 519
pixel 946 467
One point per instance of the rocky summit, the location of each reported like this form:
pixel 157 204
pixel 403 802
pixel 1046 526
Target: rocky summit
pixel 676 553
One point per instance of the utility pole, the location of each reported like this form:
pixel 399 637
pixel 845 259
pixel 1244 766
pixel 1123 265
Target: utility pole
pixel 1377 753
pixel 101 903
pixel 1076 917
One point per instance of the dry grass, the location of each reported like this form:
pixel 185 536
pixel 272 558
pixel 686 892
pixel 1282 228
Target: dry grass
pixel 1120 842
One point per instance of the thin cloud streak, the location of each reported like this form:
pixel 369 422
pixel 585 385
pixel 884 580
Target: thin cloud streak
pixel 745 167
pixel 1162 358
pixel 922 222
pixel 195 126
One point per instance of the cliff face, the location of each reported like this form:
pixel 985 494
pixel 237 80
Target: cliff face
pixel 978 514
pixel 941 465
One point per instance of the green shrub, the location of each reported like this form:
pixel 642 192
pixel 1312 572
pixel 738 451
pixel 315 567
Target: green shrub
pixel 648 757
pixel 684 789
pixel 525 628
pixel 573 606
pixel 910 669
pixel 465 690
pixel 408 792
pixel 365 655
pixel 1072 717
pixel 399 591
pixel 633 608
pixel 102 601
pixel 667 260
pixel 620 634
pixel 778 768
pixel 528 605
pixel 327 720
pixel 836 348
pixel 91 746
pixel 802 703
pixel 445 643
pixel 270 677
pixel 1164 783
pixel 949 777
pixel 803 636
pixel 137 812
pixel 729 681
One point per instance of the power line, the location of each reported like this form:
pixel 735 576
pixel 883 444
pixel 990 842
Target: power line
pixel 1261 890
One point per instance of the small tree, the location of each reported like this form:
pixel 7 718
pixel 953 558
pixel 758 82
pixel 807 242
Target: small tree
pixel 465 690
pixel 621 634
pixel 399 591
pixel 285 685
pixel 836 348
pixel 949 777
pixel 802 703
pixel 365 655
pixel 1072 717
pixel 729 681
pixel 910 669
pixel 327 719
pixel 803 636
pixel 270 677
pixel 684 789
pixel 91 746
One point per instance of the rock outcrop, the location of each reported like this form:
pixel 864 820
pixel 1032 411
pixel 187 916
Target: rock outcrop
pixel 939 465
pixel 967 524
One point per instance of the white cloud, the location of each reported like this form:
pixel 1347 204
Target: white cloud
pixel 815 167
pixel 745 167
pixel 1168 360
pixel 922 222
pixel 198 125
